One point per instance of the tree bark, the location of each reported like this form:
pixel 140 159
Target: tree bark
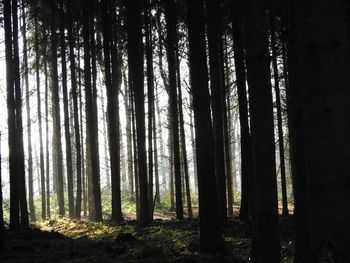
pixel 211 240
pixel 135 59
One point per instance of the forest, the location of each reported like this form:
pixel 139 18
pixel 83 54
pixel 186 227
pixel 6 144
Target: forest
pixel 175 131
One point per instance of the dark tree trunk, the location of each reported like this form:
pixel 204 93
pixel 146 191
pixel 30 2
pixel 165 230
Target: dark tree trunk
pixel 29 121
pixel 66 112
pixel 48 209
pixel 112 93
pixel 265 241
pixel 214 34
pixel 19 125
pixel 2 227
pixel 135 58
pixel 211 240
pixel 94 192
pixel 183 137
pixel 57 144
pixel 71 42
pixel 11 111
pixel 246 162
pixel 296 138
pixel 322 74
pixel 41 144
pixel 279 115
pixel 150 95
pixel 170 17
pixel 128 137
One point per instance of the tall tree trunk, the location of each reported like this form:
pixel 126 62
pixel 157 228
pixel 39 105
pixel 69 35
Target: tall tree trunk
pixel 296 136
pixel 246 156
pixel 41 145
pixel 29 121
pixel 57 144
pixel 211 240
pixel 150 96
pixel 112 93
pixel 227 138
pixel 94 192
pixel 19 125
pixel 214 35
pixel 135 59
pixel 183 137
pixel 128 137
pixel 265 241
pixel 170 17
pixel 193 144
pixel 48 209
pixel 66 112
pixel 279 115
pixel 323 79
pixel 71 43
pixel 11 111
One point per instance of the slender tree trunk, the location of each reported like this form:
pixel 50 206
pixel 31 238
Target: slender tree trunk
pixel 11 111
pixel 71 43
pixel 214 35
pixel 48 209
pixel 41 150
pixel 112 93
pixel 170 17
pixel 150 96
pixel 193 144
pixel 279 117
pixel 246 158
pixel 211 240
pixel 265 241
pixel 29 121
pixel 128 137
pixel 57 144
pixel 2 227
pixel 66 112
pixel 94 192
pixel 135 58
pixel 156 161
pixel 183 138
pixel 19 125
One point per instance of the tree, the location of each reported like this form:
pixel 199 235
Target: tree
pixel 321 73
pixel 135 61
pixel 72 61
pixel 56 137
pixel 41 146
pixel 66 109
pixel 112 94
pixel 245 140
pixel 170 17
pixel 94 192
pixel 216 87
pixel 265 237
pixel 211 240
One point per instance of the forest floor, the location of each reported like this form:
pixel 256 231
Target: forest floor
pixel 167 240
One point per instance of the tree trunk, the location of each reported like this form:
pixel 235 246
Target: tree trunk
pixel 135 59
pixel 265 241
pixel 211 240
pixel 57 144
pixel 48 209
pixel 41 150
pixel 66 112
pixel 279 115
pixel 170 17
pixel 150 95
pixel 19 125
pixel 323 78
pixel 246 161
pixel 112 93
pixel 29 121
pixel 214 34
